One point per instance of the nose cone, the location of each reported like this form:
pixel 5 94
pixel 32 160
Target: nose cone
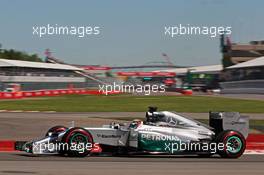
pixel 28 147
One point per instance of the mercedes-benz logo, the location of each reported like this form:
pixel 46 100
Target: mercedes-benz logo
pixel 172 121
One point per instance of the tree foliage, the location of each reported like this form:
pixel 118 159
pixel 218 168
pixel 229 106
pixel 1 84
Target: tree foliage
pixel 12 54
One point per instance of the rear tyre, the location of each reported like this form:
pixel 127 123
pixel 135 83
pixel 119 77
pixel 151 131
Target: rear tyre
pixel 235 144
pixel 79 141
pixel 56 130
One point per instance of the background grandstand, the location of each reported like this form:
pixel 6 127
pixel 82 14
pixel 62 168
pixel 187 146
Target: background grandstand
pixel 235 53
pixel 246 77
pixel 36 75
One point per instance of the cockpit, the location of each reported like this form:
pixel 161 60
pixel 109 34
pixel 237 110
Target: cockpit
pixel 162 119
pixel 168 119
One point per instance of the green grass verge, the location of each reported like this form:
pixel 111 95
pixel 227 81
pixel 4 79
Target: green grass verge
pixel 127 103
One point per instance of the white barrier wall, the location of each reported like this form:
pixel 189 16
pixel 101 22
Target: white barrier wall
pixel 243 87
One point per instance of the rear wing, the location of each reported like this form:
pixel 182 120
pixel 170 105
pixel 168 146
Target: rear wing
pixel 222 121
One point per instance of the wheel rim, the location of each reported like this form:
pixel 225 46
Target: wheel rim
pixel 79 142
pixel 234 144
pixel 78 138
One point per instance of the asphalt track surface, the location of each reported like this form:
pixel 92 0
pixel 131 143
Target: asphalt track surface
pixel 23 163
pixel 35 124
pixel 19 114
pixel 30 125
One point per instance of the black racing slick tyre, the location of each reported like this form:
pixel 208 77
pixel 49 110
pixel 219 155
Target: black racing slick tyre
pixel 56 130
pixel 79 141
pixel 234 144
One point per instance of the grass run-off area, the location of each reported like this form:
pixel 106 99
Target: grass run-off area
pixel 127 103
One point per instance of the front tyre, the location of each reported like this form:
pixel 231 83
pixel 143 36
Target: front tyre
pixel 79 142
pixel 234 144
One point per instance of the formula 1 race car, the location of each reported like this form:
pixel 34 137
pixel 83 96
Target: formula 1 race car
pixel 161 133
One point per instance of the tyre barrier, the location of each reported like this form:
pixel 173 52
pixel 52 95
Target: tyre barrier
pixel 57 92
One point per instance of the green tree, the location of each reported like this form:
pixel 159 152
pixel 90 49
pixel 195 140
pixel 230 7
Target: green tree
pixel 12 54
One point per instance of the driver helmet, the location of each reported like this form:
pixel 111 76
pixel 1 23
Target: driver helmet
pixel 136 123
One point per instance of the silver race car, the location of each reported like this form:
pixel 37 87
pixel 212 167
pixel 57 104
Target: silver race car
pixel 161 133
